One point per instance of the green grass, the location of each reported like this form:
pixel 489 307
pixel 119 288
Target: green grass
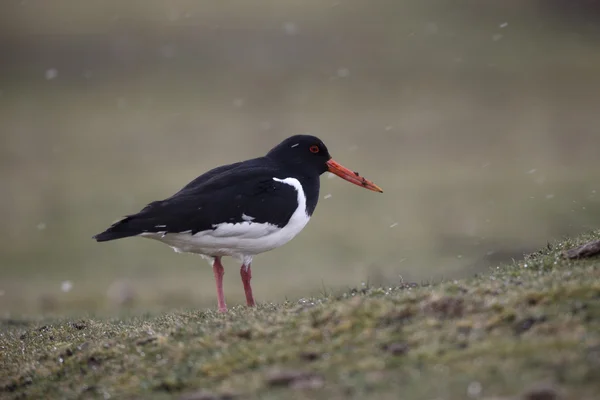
pixel 537 320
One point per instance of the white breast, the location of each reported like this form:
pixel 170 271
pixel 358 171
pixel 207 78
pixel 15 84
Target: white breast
pixel 241 239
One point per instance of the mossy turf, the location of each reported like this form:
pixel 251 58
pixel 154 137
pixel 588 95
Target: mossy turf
pixel 491 336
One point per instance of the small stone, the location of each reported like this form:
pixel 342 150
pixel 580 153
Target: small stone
pixel 474 389
pixel 397 349
pixel 294 379
pixel 524 325
pixel 541 391
pixel 79 325
pixel 313 382
pixel 146 340
pixel 310 355
pixel 206 395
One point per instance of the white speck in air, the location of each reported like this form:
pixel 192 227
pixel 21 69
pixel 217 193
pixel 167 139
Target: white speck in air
pixel 395 224
pixel 550 196
pixel 389 128
pixel 51 73
pixel 290 28
pixel 343 72
pixel 330 175
pixel 41 226
pixel 532 171
pixel 503 25
pixel 327 196
pixel 66 286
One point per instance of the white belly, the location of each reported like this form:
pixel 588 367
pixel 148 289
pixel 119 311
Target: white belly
pixel 243 239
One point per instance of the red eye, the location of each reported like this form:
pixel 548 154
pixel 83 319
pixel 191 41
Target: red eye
pixel 314 149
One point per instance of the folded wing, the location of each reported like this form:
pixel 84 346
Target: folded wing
pixel 232 194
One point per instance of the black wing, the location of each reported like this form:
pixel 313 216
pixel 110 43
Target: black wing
pixel 207 176
pixel 227 195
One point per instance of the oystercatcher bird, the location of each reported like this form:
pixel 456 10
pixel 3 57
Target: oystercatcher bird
pixel 241 209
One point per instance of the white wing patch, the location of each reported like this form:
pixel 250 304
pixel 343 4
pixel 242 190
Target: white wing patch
pixel 241 230
pixel 247 218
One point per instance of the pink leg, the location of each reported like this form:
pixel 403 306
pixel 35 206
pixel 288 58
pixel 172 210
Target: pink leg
pixel 219 271
pixel 246 274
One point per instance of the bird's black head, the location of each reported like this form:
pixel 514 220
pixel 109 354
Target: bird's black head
pixel 305 152
pixel 308 156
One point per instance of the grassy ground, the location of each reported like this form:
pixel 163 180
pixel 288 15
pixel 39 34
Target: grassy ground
pixel 522 330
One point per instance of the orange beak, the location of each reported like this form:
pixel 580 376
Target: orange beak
pixel 351 176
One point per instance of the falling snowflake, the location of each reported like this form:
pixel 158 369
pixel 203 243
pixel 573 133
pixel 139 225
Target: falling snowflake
pixel 343 72
pixel 66 286
pixel 290 28
pixel 51 73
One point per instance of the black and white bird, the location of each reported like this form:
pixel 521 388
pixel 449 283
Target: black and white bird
pixel 241 209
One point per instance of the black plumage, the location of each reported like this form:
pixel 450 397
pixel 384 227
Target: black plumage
pixel 228 193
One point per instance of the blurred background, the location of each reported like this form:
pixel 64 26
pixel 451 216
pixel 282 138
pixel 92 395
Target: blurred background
pixel 479 119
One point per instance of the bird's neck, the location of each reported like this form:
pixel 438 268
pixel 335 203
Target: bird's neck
pixel 311 185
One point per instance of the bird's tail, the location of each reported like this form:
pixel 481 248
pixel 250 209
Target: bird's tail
pixel 118 230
